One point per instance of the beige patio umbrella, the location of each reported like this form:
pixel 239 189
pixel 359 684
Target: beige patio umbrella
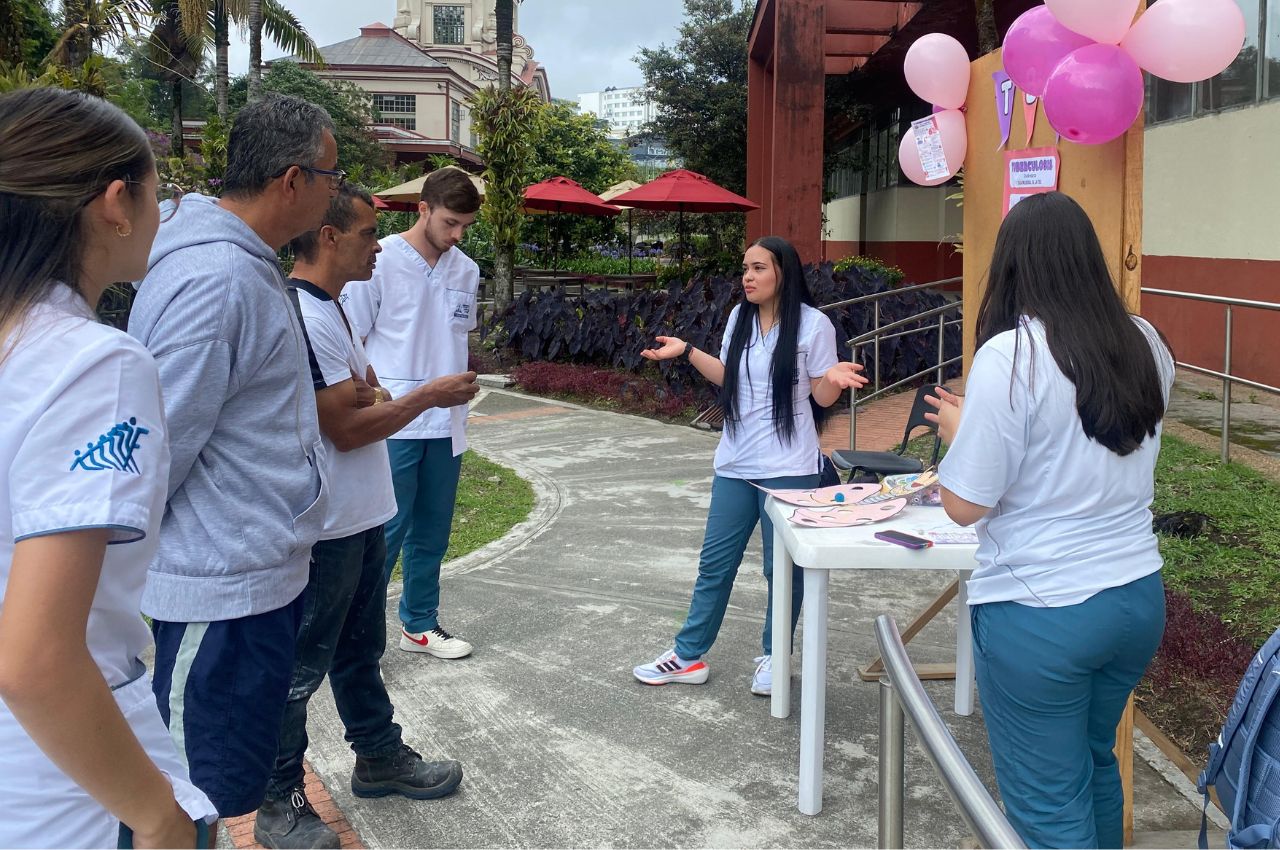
pixel 405 197
pixel 608 195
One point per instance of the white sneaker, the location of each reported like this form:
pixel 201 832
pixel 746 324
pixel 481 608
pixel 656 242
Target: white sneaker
pixel 762 681
pixel 436 642
pixel 666 668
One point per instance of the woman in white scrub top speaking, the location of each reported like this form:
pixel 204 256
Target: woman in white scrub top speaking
pixel 1053 453
pixel 87 761
pixel 778 352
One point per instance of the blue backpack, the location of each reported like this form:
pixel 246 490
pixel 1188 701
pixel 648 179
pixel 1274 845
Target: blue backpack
pixel 1244 763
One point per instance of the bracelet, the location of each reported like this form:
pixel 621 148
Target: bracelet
pixel 688 348
pixel 379 395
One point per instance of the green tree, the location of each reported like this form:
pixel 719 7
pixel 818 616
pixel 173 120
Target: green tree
pixel 347 103
pixel 87 23
pixel 505 119
pixel 700 89
pixel 27 33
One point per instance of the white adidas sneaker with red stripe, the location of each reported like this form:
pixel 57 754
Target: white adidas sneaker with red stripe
pixel 668 668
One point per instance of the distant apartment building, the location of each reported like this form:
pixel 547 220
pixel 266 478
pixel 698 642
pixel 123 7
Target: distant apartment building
pixel 420 71
pixel 626 109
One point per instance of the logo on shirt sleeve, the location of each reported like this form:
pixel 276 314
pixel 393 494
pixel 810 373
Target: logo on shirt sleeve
pixel 114 450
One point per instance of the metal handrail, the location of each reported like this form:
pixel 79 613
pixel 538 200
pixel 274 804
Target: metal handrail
pixel 902 694
pixel 877 334
pixel 1227 378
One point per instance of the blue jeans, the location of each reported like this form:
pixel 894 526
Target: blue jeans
pixel 736 507
pixel 425 474
pixel 343 635
pixel 1053 684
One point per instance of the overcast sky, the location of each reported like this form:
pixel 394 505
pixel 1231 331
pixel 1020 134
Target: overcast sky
pixel 585 45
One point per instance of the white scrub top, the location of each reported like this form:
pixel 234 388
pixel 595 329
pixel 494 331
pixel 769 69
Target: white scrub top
pixel 414 320
pixel 753 450
pixel 83 445
pixel 1069 518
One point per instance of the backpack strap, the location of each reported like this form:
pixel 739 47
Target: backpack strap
pixel 317 376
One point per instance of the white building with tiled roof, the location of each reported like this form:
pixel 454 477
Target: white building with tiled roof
pixel 420 73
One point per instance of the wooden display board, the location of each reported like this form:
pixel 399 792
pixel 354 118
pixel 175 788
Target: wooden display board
pixel 1107 181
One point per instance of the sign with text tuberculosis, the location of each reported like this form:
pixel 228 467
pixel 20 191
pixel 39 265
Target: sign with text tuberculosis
pixel 1029 172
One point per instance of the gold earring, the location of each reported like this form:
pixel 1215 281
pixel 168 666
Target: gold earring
pixel 125 234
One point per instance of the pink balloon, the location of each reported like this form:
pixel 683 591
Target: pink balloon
pixel 1094 95
pixel 1104 21
pixel 955 146
pixel 1186 41
pixel 937 69
pixel 1034 46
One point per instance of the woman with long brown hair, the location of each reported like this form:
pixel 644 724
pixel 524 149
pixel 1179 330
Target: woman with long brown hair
pixel 87 759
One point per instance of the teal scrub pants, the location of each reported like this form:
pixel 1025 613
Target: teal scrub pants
pixel 1053 684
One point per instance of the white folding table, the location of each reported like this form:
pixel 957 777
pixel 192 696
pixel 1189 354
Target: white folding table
pixel 818 551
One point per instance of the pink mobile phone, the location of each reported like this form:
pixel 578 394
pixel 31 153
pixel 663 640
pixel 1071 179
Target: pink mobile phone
pixel 908 540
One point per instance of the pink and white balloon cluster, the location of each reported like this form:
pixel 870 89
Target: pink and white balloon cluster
pixel 1084 58
pixel 937 70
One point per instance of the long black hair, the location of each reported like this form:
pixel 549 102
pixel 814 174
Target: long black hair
pixel 1048 265
pixel 793 291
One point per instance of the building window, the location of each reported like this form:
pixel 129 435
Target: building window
pixel 404 122
pixel 404 104
pixel 455 122
pixel 448 24
pixel 1252 77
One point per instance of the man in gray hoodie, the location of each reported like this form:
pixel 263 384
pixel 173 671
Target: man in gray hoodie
pixel 246 497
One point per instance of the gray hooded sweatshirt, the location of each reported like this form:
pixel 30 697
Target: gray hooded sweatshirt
pixel 246 500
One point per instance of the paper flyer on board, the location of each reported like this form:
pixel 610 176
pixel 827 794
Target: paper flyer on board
pixel 928 137
pixel 1029 172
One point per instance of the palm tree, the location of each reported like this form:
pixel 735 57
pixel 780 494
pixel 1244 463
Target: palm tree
pixel 87 22
pixel 255 24
pixel 178 54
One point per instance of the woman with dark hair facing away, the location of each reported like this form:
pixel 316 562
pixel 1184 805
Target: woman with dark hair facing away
pixel 1053 455
pixel 778 353
pixel 87 759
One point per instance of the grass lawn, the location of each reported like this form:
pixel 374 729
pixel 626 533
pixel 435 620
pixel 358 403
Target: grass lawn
pixel 491 501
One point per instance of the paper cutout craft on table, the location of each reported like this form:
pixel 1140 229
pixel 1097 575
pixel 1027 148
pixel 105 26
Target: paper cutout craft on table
pixel 846 516
pixel 913 486
pixel 840 494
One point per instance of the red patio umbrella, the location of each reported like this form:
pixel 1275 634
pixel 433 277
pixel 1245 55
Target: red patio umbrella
pixel 562 195
pixel 683 190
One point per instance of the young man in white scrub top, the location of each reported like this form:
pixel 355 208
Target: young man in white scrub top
pixel 344 630
pixel 414 315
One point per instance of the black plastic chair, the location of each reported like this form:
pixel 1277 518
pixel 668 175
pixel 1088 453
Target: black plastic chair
pixel 863 466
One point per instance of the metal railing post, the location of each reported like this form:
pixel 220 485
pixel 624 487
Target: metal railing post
pixel 877 344
pixel 892 773
pixel 942 343
pixel 1226 392
pixel 853 405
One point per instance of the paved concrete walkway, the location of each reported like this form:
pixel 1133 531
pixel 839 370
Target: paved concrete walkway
pixel 563 748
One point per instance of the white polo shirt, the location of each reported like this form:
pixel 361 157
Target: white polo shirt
pixel 414 320
pixel 1069 518
pixel 361 495
pixel 753 449
pixel 83 445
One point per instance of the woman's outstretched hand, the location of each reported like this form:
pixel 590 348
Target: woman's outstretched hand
pixel 948 406
pixel 846 375
pixel 670 348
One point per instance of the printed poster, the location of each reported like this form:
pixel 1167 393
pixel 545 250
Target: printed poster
pixel 929 145
pixel 1029 172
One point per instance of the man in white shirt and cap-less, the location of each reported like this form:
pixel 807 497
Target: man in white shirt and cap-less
pixel 414 315
pixel 344 630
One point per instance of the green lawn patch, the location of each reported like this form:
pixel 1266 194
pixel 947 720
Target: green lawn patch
pixel 492 500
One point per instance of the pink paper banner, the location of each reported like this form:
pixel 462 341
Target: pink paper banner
pixel 1030 105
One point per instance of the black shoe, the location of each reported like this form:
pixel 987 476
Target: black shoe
pixel 292 822
pixel 404 772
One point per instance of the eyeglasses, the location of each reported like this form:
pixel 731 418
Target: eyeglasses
pixel 336 178
pixel 168 196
